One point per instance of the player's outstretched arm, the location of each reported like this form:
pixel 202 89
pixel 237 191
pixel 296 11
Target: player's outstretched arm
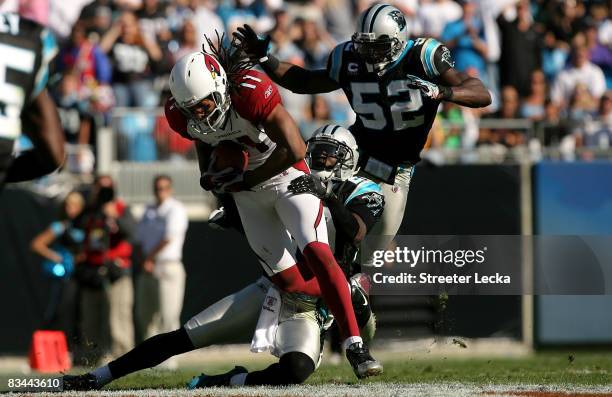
pixel 287 75
pixel 290 147
pixel 465 90
pixel 46 133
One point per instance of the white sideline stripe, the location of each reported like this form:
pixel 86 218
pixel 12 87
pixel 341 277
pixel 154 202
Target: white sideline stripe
pixel 253 78
pixel 356 390
pixel 247 85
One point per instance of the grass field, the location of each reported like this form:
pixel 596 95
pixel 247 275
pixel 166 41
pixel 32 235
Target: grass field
pixel 554 374
pixel 561 368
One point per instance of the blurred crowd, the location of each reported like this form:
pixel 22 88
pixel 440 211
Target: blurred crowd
pixel 545 61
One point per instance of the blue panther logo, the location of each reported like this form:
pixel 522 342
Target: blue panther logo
pixel 398 17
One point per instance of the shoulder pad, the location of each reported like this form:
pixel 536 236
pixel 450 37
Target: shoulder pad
pixel 428 49
pixel 362 186
pixel 335 59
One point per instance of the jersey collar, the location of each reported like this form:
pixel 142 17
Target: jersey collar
pixel 408 47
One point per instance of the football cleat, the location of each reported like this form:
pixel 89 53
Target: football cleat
pixel 215 380
pixel 364 365
pixel 83 382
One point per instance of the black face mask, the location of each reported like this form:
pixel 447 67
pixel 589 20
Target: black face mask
pixel 376 51
pixel 105 195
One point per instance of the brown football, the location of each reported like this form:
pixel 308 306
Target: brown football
pixel 229 154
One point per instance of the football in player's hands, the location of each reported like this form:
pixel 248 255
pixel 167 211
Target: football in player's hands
pixel 226 167
pixel 229 154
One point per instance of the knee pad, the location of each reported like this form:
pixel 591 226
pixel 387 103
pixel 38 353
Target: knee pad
pixel 296 367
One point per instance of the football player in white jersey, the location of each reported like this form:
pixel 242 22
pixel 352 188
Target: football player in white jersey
pixel 354 204
pixel 210 106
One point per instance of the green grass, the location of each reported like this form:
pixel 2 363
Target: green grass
pixel 562 368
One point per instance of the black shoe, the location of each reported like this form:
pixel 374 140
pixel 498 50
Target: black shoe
pixel 215 380
pixel 364 365
pixel 360 285
pixel 80 382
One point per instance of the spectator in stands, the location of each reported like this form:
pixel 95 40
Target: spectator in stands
pixel 599 54
pixel 315 43
pixel 134 59
pixel 284 48
pixel 60 244
pixel 509 110
pixel 554 56
pixel 84 91
pixel 152 19
pixel 187 40
pixel 567 20
pixel 339 19
pixel 465 38
pixel 105 275
pixel 597 131
pixel 435 14
pixel 532 107
pixel 553 128
pixel 236 13
pixel 317 113
pixel 521 49
pixel 97 17
pixel 75 113
pixel 206 20
pixel 581 105
pixel 161 282
pixel 84 59
pixel 581 71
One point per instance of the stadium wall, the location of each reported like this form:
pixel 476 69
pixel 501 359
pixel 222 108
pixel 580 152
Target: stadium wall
pixel 574 199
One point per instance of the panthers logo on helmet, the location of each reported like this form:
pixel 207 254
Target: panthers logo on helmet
pixel 212 65
pixel 398 17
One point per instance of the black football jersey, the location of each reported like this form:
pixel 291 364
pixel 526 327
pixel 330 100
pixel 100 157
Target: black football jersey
pixel 393 120
pixel 362 197
pixel 26 50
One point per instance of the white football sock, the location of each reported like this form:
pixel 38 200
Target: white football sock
pixel 350 340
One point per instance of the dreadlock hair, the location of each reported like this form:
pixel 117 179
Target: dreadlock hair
pixel 234 61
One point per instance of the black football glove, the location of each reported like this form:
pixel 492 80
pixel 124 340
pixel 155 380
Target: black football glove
pixel 310 184
pixel 254 46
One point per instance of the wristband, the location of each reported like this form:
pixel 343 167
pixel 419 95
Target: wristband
pixel 269 62
pixel 446 92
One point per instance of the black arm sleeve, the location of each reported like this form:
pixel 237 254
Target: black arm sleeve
pixel 343 218
pixel 299 80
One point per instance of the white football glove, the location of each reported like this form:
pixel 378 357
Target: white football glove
pixel 429 89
